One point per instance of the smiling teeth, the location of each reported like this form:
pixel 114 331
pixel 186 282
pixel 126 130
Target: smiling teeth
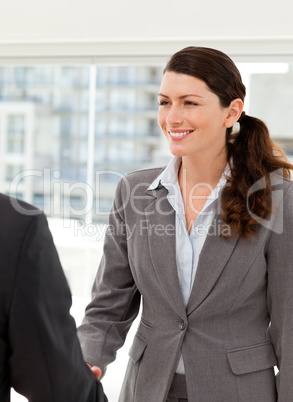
pixel 180 134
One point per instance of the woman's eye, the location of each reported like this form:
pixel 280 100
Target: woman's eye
pixel 189 103
pixel 163 103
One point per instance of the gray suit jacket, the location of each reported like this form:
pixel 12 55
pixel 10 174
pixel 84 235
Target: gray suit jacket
pixel 238 323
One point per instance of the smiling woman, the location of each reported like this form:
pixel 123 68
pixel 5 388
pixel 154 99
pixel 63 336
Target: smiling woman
pixel 214 77
pixel 119 147
pixel 215 281
pixel 193 119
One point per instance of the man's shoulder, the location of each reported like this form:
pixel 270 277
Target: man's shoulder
pixel 14 209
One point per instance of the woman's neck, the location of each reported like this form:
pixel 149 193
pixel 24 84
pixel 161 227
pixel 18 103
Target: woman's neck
pixel 199 170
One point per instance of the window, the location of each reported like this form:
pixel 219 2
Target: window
pixel 12 171
pixel 46 129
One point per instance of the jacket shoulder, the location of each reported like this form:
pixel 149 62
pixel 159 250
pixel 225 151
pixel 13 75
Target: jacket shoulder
pixel 14 206
pixel 288 184
pixel 143 176
pixel 283 186
pixel 15 214
pixel 288 194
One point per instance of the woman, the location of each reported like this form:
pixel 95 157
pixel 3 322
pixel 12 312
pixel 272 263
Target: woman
pixel 205 243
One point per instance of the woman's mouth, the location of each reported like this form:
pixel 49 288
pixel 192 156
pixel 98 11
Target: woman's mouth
pixel 179 134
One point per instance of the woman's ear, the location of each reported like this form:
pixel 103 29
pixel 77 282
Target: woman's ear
pixel 234 111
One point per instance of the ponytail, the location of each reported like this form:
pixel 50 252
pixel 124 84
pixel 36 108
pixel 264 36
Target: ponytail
pixel 252 156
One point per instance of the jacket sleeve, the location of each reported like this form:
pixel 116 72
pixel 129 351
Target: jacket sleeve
pixel 46 362
pixel 116 299
pixel 280 294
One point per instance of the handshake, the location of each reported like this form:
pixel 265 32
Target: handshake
pixel 95 370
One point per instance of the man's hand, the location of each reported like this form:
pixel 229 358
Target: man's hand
pixel 96 370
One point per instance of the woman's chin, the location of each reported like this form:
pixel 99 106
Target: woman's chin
pixel 177 152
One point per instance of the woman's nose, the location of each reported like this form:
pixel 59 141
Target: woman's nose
pixel 174 116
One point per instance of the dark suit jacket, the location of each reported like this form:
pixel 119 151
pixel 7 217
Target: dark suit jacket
pixel 40 356
pixel 238 323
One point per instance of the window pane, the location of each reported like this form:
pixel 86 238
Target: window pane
pixel 270 98
pixel 44 141
pixel 126 129
pixel 44 128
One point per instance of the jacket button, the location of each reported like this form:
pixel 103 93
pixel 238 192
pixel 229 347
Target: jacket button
pixel 181 325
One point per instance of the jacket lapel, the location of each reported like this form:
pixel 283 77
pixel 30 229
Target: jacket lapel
pixel 162 236
pixel 213 258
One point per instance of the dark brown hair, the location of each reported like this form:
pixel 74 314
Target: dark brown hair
pixel 251 153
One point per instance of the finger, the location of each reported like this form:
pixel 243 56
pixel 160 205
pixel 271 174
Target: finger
pixel 97 371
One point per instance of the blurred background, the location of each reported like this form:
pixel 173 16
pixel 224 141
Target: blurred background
pixel 78 106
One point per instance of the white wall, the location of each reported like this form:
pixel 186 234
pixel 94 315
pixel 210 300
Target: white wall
pixel 107 23
pixel 96 19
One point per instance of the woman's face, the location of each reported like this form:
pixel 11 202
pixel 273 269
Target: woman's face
pixel 191 117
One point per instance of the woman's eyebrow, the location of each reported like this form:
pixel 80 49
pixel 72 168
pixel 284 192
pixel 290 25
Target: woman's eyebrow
pixel 182 97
